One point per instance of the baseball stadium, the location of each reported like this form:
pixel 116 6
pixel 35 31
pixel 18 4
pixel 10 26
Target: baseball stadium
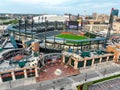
pixel 52 48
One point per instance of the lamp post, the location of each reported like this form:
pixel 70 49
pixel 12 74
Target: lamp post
pixel 54 85
pixel 96 64
pixel 104 72
pixel 40 85
pixel 10 84
pixel 85 76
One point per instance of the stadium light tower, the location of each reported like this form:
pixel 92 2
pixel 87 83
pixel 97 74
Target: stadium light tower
pixel 26 27
pixel 46 27
pixel 114 12
pixel 19 21
pixel 39 19
pixel 54 32
pixel 32 25
pixel 77 21
pixel 42 18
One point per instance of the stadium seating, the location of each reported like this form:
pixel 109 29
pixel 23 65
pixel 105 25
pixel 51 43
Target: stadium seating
pixel 85 54
pixel 40 27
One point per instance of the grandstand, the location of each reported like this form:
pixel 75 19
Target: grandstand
pixel 28 29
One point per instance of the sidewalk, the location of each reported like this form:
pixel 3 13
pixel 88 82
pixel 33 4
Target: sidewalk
pixel 97 67
pixel 100 66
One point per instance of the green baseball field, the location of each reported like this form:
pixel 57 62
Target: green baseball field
pixel 71 36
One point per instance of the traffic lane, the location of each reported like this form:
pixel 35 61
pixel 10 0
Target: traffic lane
pixel 109 70
pixel 91 75
pixel 84 76
pixel 78 78
pixel 45 85
pixel 57 84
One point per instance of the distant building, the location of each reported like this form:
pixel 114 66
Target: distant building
pixel 2 28
pixel 96 27
pixel 91 21
pixel 50 18
pixel 103 18
pixel 94 16
pixel 116 27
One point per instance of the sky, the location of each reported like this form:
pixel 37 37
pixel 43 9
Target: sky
pixel 83 7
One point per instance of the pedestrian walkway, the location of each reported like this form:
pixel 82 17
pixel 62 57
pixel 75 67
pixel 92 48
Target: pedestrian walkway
pixel 98 66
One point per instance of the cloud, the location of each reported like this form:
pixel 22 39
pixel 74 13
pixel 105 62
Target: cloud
pixel 104 5
pixel 58 6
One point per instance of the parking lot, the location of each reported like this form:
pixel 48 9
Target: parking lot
pixel 107 85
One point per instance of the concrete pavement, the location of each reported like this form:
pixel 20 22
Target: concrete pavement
pixel 69 83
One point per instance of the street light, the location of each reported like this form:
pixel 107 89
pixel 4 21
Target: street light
pixel 40 85
pixel 104 72
pixel 85 76
pixel 96 62
pixel 54 85
pixel 10 84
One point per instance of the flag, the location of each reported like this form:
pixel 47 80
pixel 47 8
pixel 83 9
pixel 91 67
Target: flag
pixel 115 12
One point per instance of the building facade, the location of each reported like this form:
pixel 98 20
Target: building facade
pixel 96 27
pixel 116 27
pixel 102 17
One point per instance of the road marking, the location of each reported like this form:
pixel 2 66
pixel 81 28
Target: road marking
pixel 98 73
pixel 71 79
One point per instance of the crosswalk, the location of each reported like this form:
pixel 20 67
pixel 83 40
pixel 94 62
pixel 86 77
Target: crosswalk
pixel 99 73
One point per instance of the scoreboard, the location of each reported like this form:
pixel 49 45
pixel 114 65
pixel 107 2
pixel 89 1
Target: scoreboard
pixel 72 24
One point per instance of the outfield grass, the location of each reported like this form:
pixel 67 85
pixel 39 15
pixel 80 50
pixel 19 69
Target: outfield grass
pixel 71 36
